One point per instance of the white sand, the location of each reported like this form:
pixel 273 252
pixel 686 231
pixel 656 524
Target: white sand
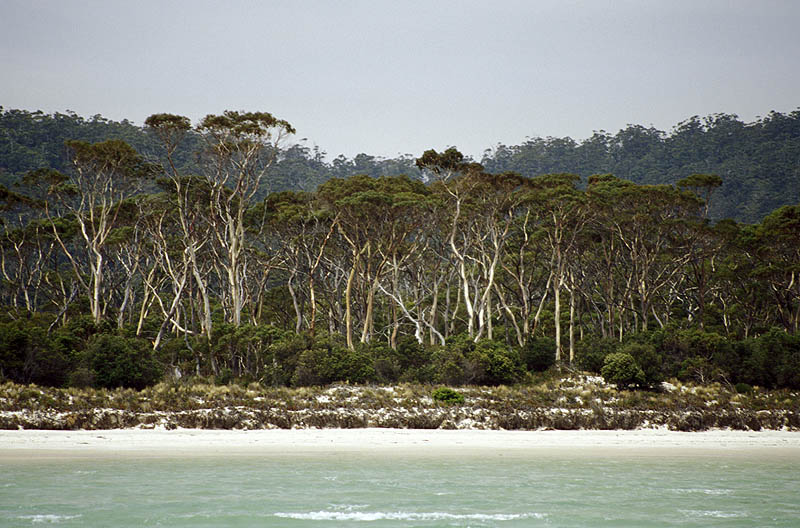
pixel 193 442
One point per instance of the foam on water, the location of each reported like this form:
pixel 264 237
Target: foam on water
pixel 716 514
pixel 405 516
pixel 47 518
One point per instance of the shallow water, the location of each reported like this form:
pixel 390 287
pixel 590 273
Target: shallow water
pixel 382 490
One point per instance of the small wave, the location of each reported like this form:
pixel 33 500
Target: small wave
pixel 717 514
pixel 47 518
pixel 711 491
pixel 406 516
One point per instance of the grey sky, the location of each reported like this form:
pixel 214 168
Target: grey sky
pixel 394 77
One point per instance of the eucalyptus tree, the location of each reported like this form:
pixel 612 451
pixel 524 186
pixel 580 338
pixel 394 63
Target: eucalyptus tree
pixel 102 175
pixel 778 239
pixel 703 243
pixel 649 228
pixel 25 249
pixel 126 248
pixel 374 216
pixel 283 229
pixel 564 216
pixel 453 180
pixel 241 147
pixel 523 286
pixel 186 210
pixel 611 273
pixel 495 199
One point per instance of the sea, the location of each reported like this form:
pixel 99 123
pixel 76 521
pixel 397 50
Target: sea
pixel 583 488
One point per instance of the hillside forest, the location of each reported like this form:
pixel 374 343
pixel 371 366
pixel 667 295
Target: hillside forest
pixel 132 254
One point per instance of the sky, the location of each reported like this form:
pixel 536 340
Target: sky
pixel 394 77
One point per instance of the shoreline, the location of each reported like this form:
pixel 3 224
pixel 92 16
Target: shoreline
pixel 28 445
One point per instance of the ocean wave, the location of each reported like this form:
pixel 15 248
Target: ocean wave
pixel 717 514
pixel 406 516
pixel 711 491
pixel 47 518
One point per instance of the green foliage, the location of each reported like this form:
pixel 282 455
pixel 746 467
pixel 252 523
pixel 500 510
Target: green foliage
pixel 755 159
pixel 122 362
pixel 649 361
pixel 678 346
pixel 622 369
pixel 539 353
pixel 29 355
pixel 592 351
pixel 329 361
pixel 775 360
pixel 391 230
pixel 487 362
pixel 448 396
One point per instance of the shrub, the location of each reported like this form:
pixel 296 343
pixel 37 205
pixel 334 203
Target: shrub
pixel 122 362
pixel 743 388
pixel 487 362
pixel 592 351
pixel 449 365
pixel 330 361
pixel 494 363
pixel 448 395
pixel 699 369
pixel 621 368
pixel 677 346
pixel 81 377
pixel 650 361
pixel 539 353
pixel 29 355
pixel 775 360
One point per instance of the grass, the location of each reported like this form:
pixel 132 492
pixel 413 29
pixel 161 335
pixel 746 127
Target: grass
pixel 547 401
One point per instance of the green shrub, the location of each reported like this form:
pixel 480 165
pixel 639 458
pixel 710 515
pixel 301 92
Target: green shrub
pixel 462 362
pixel 676 346
pixel 122 362
pixel 592 351
pixel 494 363
pixel 448 365
pixel 743 388
pixel 539 353
pixel 699 369
pixel 650 361
pixel 448 395
pixel 29 355
pixel 621 368
pixel 775 360
pixel 330 361
pixel 412 355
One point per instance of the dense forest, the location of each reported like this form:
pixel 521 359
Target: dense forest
pixel 759 162
pixel 129 254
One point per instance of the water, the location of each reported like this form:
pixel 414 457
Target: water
pixel 336 490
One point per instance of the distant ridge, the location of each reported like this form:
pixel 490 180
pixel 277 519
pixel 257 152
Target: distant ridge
pixel 759 162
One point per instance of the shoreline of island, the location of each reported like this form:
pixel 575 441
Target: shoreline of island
pixel 40 444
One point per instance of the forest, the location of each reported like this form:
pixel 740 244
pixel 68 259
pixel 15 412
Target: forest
pixel 130 254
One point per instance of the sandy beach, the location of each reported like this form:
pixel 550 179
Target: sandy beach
pixel 24 444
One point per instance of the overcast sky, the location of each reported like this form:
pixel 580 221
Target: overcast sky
pixel 390 77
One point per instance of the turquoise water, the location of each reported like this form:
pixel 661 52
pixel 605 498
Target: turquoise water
pixel 335 490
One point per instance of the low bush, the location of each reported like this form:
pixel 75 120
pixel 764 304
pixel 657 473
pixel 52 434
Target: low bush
pixel 539 353
pixel 330 361
pixel 592 351
pixel 448 395
pixel 650 361
pixel 622 369
pixel 122 362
